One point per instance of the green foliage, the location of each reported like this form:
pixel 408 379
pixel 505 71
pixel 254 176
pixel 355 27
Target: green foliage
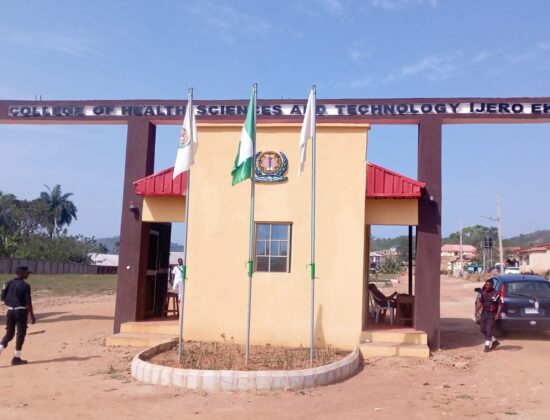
pixel 400 243
pixel 112 245
pixel 35 229
pixel 20 220
pixel 472 235
pixel 389 266
pixel 539 237
pixel 59 248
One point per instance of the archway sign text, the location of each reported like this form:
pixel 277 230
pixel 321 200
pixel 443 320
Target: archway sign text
pixel 43 109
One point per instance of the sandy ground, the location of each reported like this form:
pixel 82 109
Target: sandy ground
pixel 73 375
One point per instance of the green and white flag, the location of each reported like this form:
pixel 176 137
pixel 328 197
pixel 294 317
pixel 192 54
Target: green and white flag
pixel 242 168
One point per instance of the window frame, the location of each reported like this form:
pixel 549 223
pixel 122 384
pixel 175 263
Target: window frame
pixel 269 255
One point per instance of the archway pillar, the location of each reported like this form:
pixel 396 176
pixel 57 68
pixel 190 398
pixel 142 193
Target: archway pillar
pixel 428 251
pixel 134 234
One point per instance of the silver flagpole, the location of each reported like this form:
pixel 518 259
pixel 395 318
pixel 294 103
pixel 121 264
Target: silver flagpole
pixel 251 238
pixel 184 258
pixel 313 146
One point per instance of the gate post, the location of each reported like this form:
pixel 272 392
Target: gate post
pixel 427 313
pixel 134 234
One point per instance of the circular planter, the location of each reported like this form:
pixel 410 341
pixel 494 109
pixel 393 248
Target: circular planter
pixel 238 380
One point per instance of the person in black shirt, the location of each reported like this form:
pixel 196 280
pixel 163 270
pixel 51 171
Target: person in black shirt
pixel 489 304
pixel 16 294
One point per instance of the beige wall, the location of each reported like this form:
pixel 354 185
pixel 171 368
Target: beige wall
pixel 216 293
pixel 392 212
pixel 163 209
pixel 539 262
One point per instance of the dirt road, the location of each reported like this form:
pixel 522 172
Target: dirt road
pixel 73 375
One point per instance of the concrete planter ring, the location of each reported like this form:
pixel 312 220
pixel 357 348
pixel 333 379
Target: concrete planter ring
pixel 236 380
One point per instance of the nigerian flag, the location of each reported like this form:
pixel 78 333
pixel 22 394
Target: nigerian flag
pixel 242 168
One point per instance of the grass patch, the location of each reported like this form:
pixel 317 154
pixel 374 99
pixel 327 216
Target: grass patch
pixel 69 284
pixel 115 373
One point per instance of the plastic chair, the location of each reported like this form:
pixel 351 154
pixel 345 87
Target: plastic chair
pixel 381 307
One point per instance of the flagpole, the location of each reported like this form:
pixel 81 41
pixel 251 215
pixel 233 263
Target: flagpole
pixel 184 257
pixel 313 147
pixel 251 236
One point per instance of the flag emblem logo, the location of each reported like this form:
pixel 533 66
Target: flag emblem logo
pixel 184 138
pixel 270 166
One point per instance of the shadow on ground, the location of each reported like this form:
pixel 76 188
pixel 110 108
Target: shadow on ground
pixel 40 317
pixel 63 359
pixel 464 332
pixel 459 333
pixel 58 360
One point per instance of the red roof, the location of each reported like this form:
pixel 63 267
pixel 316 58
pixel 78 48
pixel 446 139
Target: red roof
pixel 383 183
pixel 539 248
pixel 162 184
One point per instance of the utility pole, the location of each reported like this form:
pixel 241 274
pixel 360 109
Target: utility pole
pixel 484 251
pixel 498 219
pixel 461 262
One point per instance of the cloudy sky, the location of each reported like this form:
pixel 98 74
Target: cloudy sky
pixel 351 49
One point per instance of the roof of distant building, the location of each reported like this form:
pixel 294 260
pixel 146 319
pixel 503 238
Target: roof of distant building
pixel 456 248
pixel 107 260
pixel 538 248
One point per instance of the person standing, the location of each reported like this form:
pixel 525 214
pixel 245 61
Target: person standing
pixel 16 294
pixel 177 279
pixel 489 304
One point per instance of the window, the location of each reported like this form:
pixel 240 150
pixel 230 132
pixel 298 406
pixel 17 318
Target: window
pixel 273 247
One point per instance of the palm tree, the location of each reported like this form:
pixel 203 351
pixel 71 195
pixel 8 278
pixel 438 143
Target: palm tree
pixel 62 211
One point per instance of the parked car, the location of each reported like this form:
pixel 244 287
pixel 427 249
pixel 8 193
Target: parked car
pixel 526 302
pixel 511 270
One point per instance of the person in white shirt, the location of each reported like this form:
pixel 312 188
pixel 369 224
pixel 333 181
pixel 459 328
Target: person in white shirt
pixel 177 279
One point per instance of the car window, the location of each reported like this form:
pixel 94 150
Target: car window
pixel 535 289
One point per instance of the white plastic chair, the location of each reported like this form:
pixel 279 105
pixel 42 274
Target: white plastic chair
pixel 381 307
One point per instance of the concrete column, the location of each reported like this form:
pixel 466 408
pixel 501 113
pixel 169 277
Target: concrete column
pixel 428 253
pixel 134 234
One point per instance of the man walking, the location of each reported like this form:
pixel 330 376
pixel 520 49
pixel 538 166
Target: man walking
pixel 489 304
pixel 16 294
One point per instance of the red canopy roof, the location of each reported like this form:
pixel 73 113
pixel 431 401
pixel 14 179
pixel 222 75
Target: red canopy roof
pixel 162 184
pixel 381 183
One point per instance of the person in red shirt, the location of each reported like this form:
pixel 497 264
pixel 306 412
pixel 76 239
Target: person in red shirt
pixel 489 304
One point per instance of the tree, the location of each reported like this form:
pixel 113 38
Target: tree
pixel 20 221
pixel 61 211
pixel 8 224
pixel 389 266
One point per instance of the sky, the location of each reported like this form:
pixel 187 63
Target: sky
pixel 349 48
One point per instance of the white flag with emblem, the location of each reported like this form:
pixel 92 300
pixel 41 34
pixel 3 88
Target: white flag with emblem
pixel 188 143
